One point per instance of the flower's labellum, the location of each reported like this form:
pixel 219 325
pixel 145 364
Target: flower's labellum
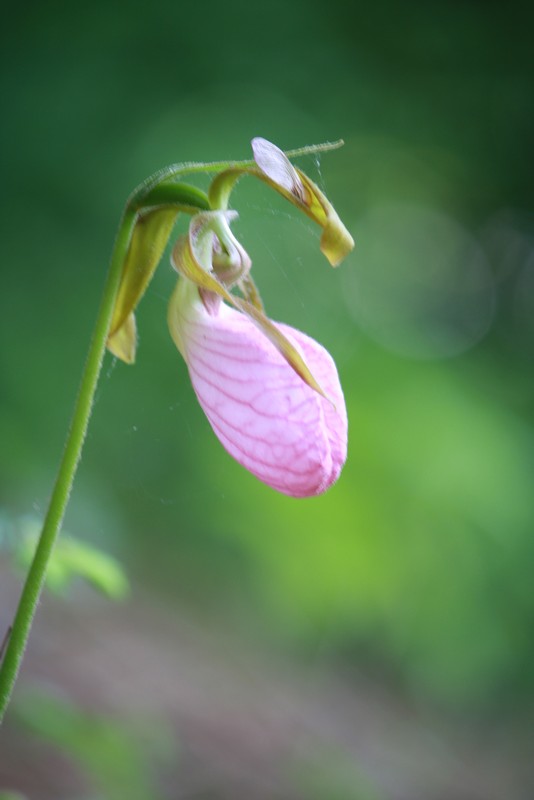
pixel 149 239
pixel 265 416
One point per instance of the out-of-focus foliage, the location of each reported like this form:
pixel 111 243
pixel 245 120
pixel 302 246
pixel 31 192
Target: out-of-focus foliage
pixel 418 563
pixel 11 796
pixel 332 777
pixel 113 755
pixel 70 559
pixel 418 551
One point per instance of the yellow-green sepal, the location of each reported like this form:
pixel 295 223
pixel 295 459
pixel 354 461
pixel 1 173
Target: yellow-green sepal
pixel 123 342
pixel 156 205
pixel 149 240
pixel 274 168
pixel 277 170
pixel 336 242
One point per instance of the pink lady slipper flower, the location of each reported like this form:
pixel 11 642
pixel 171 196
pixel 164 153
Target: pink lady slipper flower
pixel 271 393
pixel 263 413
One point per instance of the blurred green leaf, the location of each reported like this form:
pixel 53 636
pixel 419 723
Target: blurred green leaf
pixel 112 752
pixel 332 776
pixel 12 796
pixel 71 559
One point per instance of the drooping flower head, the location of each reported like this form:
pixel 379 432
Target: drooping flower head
pixel 271 393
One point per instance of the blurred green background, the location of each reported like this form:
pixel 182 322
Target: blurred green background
pixel 376 642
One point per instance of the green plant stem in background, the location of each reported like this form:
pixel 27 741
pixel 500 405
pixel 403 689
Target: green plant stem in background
pixel 16 644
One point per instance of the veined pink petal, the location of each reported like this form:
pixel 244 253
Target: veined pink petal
pixel 263 413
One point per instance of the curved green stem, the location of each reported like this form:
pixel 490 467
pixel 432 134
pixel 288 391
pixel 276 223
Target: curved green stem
pixel 190 167
pixel 16 645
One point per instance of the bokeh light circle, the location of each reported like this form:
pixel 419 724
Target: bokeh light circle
pixel 421 285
